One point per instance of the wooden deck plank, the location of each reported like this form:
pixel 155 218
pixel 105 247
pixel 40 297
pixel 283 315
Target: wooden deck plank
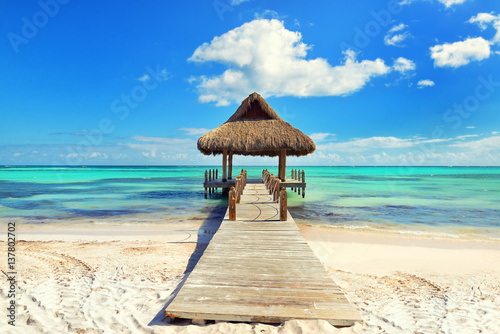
pixel 260 269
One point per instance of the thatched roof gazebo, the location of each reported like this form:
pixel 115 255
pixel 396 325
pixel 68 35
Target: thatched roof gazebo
pixel 255 129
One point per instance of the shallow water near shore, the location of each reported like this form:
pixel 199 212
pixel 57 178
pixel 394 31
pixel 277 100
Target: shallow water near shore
pixel 433 201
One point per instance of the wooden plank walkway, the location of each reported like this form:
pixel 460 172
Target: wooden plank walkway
pixel 218 183
pixel 260 269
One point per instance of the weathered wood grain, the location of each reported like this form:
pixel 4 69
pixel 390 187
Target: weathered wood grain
pixel 261 269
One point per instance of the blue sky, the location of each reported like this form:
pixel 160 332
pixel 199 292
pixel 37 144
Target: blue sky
pixel 398 82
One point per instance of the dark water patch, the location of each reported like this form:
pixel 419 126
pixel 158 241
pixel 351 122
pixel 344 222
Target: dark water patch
pixel 364 195
pixel 470 176
pixel 322 212
pixel 167 195
pixel 381 178
pixel 402 207
pixel 101 213
pixel 30 205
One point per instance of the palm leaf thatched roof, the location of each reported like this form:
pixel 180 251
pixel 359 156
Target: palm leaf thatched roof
pixel 256 129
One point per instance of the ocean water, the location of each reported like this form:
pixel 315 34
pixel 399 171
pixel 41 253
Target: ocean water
pixel 434 201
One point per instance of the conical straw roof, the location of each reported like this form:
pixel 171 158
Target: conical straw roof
pixel 256 129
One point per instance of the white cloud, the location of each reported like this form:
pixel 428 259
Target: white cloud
pixel 470 127
pixel 403 65
pixel 485 144
pixel 145 77
pixel 163 140
pixel 449 3
pixel 320 136
pixel 265 57
pixel 237 2
pixel 460 53
pixel 194 131
pixel 17 154
pixel 270 14
pixel 359 145
pixel 98 155
pixel 149 146
pixel 466 136
pixel 483 19
pixel 394 38
pixel 446 3
pixel 425 83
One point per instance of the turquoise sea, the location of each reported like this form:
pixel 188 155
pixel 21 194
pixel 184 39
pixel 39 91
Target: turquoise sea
pixel 434 201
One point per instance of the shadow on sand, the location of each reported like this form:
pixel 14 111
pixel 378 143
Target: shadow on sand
pixel 207 230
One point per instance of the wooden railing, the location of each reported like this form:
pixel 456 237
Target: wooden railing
pixel 236 192
pixel 210 174
pixel 299 175
pixel 279 196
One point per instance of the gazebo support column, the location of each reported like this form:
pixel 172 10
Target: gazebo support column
pixel 230 167
pixel 224 165
pixel 282 165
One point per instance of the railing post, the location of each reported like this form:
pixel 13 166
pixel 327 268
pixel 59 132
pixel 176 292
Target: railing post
pixel 232 204
pixel 276 190
pixel 291 177
pixel 271 184
pixel 283 205
pixel 304 181
pixel 238 189
pixel 298 179
pixel 206 180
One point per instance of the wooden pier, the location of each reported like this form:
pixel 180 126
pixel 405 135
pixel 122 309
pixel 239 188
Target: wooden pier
pixel 260 269
pixel 212 182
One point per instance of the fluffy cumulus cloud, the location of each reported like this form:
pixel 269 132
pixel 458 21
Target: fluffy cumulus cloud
pixel 264 56
pixel 460 53
pixel 484 19
pixel 425 83
pixel 404 65
pixel 396 36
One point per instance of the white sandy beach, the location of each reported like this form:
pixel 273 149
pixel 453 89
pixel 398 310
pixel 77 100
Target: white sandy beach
pixel 117 279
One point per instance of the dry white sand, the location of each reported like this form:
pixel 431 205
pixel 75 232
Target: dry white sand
pixel 117 279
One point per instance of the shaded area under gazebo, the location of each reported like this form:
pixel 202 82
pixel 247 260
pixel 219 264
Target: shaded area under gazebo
pixel 255 129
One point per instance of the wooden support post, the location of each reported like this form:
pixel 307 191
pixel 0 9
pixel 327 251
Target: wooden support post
pixel 224 165
pixel 232 204
pixel 230 169
pixel 282 165
pixel 283 205
pixel 304 181
pixel 216 174
pixel 271 184
pixel 291 177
